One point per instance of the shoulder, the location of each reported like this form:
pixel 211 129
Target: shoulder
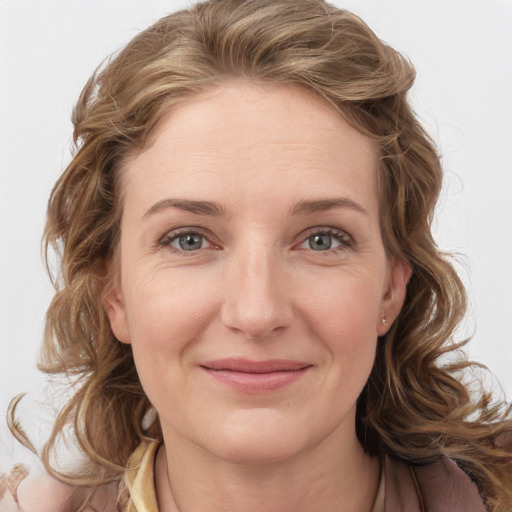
pixel 434 487
pixel 36 491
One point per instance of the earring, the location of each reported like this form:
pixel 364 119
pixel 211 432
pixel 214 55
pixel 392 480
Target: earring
pixel 384 321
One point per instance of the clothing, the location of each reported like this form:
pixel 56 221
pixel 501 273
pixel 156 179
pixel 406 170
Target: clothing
pixel 140 482
pixel 438 487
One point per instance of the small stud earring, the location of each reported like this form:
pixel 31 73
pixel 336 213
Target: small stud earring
pixel 384 321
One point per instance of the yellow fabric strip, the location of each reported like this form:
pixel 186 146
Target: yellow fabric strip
pixel 139 478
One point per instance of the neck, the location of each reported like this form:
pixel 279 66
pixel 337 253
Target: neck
pixel 332 476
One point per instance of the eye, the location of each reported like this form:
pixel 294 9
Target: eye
pixel 185 241
pixel 189 242
pixel 326 240
pixel 320 242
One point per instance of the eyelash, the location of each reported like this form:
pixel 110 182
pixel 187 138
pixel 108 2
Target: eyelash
pixel 345 240
pixel 166 241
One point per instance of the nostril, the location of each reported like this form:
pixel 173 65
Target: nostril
pixel 255 335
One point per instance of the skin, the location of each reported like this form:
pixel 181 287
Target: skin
pixel 39 492
pixel 258 287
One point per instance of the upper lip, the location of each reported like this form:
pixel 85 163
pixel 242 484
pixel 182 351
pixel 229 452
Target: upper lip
pixel 249 366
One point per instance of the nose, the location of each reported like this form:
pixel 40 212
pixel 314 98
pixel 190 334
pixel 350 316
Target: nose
pixel 257 302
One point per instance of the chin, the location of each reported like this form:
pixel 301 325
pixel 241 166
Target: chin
pixel 257 450
pixel 256 437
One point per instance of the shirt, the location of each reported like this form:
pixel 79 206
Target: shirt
pixel 438 487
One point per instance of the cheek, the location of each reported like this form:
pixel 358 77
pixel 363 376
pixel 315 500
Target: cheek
pixel 167 314
pixel 167 319
pixel 343 315
pixel 344 306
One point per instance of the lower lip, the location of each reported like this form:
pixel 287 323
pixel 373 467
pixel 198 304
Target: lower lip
pixel 256 382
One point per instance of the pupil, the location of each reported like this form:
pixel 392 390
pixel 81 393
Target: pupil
pixel 190 242
pixel 320 242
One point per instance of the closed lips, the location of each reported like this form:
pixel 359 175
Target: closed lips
pixel 248 376
pixel 247 366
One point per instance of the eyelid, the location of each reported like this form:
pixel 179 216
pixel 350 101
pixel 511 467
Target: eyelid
pixel 346 240
pixel 164 242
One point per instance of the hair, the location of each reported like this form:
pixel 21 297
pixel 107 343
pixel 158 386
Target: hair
pixel 415 406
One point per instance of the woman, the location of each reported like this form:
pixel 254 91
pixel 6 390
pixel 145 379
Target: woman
pixel 246 250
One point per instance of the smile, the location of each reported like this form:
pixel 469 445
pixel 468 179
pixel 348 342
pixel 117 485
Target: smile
pixel 255 376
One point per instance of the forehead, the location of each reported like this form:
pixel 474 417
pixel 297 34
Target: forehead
pixel 253 141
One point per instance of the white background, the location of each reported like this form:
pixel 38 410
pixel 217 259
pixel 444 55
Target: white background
pixel 462 50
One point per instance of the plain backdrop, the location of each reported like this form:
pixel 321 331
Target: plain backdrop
pixel 462 50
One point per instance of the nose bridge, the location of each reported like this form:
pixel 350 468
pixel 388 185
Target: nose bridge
pixel 256 303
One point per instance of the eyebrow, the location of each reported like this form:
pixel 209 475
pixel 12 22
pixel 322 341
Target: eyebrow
pixel 213 209
pixel 188 205
pixel 321 205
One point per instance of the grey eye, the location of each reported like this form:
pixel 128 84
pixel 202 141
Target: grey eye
pixel 320 242
pixel 189 242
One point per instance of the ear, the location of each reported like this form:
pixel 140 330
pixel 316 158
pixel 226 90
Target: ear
pixel 394 294
pixel 115 307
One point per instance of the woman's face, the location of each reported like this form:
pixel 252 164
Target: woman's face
pixel 253 277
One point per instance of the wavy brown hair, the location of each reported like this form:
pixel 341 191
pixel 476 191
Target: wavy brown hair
pixel 415 406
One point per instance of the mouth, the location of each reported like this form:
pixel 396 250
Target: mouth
pixel 255 376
